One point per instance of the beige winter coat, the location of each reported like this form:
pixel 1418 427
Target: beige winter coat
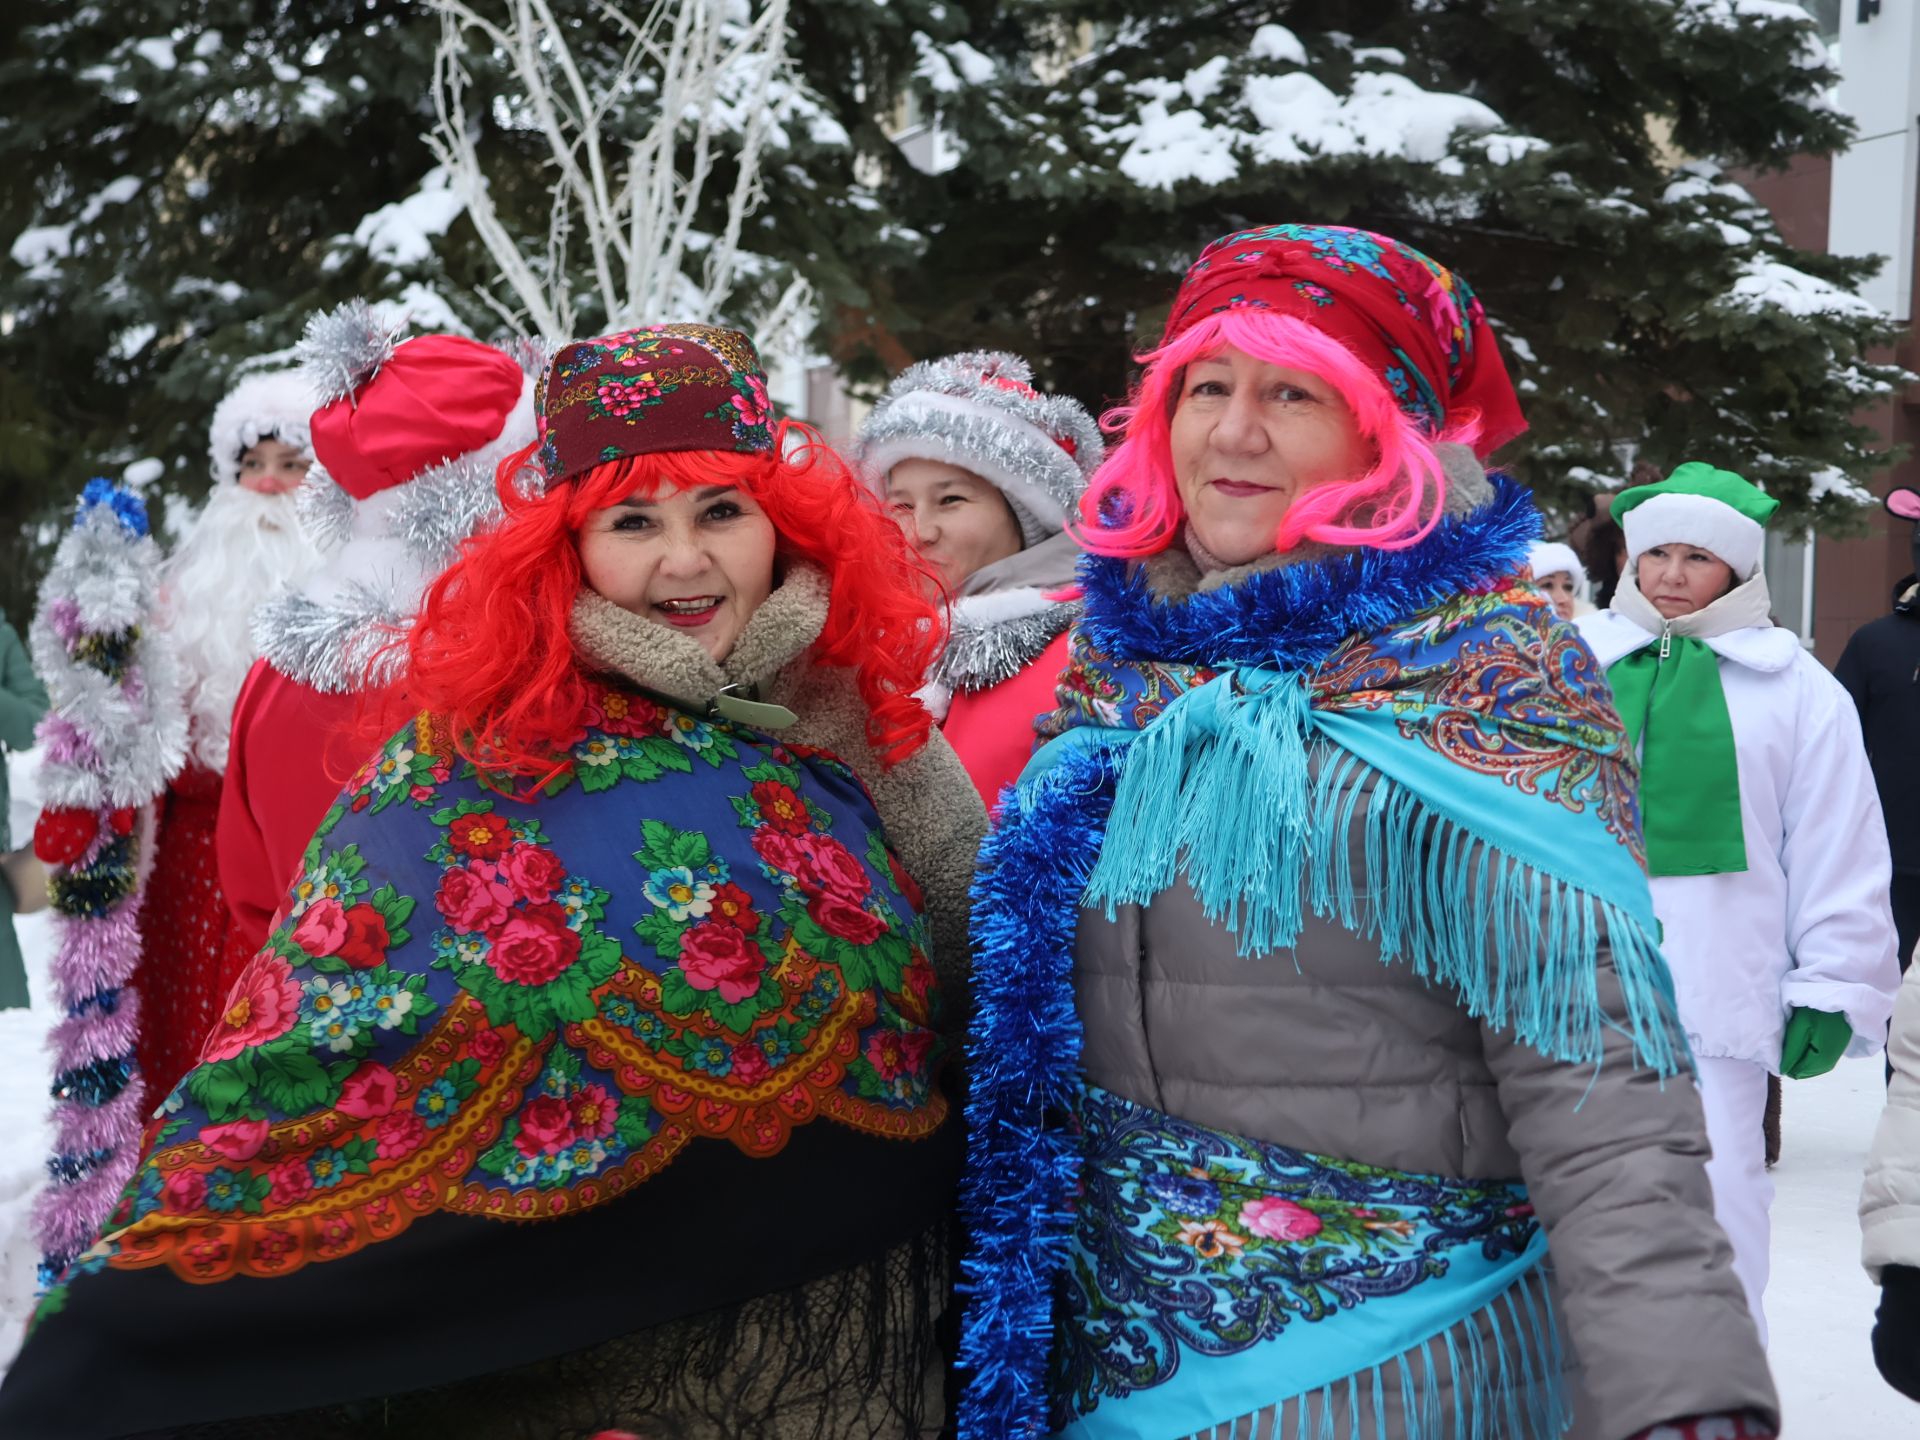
pixel 1890 1199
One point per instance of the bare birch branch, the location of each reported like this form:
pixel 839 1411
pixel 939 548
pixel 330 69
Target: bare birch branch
pixel 625 213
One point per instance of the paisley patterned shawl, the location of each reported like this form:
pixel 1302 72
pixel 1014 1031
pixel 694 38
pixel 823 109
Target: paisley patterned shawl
pixel 691 948
pixel 1488 681
pixel 1231 739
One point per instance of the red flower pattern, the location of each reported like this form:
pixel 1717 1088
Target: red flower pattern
pixel 719 957
pixel 367 939
pixel 534 946
pixel 781 807
pixel 733 906
pixel 482 835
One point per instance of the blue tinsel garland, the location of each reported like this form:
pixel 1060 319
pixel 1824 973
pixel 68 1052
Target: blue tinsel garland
pixel 128 509
pixel 1293 617
pixel 1023 1058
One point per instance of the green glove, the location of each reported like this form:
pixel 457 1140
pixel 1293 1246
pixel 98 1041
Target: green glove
pixel 1816 1039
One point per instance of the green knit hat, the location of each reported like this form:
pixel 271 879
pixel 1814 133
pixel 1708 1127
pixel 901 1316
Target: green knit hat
pixel 1716 510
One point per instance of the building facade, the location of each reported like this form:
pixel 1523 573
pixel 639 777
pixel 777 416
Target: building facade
pixel 1861 202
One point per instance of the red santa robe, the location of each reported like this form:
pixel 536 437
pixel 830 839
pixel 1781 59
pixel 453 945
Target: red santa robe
pixel 293 747
pixel 991 729
pixel 189 954
pixel 242 545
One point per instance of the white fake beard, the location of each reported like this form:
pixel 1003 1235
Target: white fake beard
pixel 243 548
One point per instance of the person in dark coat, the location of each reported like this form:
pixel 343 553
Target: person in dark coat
pixel 1881 669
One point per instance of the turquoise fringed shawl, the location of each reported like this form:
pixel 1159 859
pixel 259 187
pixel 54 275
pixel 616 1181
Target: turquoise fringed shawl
pixel 1234 737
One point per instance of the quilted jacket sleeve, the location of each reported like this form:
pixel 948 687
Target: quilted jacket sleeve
pixel 1890 1199
pixel 1615 1164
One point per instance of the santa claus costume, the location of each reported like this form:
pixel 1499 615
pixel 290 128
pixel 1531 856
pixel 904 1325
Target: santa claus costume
pixel 242 547
pixel 405 443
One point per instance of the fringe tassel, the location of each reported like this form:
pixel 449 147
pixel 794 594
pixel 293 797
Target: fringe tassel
pixel 1496 1382
pixel 1233 758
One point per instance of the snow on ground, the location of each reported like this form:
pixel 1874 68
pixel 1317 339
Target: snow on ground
pixel 1820 1301
pixel 26 1138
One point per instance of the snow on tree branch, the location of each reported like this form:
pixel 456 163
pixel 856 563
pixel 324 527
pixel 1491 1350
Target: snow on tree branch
pixel 625 213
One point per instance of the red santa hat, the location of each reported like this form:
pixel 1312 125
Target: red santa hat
pixel 392 409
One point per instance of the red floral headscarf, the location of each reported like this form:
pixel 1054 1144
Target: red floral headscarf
pixel 1409 318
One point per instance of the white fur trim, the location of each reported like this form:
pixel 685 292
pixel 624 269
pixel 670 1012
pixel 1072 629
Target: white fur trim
pixel 1695 520
pixel 273 403
pixel 998 605
pixel 937 697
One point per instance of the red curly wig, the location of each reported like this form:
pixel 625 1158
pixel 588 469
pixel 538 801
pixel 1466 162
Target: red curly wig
pixel 490 659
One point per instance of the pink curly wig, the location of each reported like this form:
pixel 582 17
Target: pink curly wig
pixel 1132 506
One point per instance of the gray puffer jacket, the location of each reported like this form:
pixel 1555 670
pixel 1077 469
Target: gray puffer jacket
pixel 1327 1049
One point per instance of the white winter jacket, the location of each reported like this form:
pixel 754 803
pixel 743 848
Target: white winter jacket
pixel 1808 922
pixel 1890 1199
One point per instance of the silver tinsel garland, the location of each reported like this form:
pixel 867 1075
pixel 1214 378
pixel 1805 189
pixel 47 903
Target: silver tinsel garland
pixel 989 429
pixel 339 648
pixel 344 347
pixel 324 510
pixel 443 505
pixel 980 656
pixel 115 735
pixel 109 582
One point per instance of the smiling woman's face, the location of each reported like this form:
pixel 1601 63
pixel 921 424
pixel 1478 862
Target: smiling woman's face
pixel 954 518
pixel 698 560
pixel 1249 436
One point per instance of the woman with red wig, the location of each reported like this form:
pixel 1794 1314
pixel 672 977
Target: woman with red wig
pixel 593 1073
pixel 1325 1077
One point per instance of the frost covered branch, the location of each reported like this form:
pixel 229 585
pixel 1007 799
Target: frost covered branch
pixel 625 212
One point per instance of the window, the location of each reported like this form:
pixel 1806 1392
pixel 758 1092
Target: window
pixel 1789 565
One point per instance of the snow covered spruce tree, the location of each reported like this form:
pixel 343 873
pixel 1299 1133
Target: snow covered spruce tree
pixel 181 183
pixel 189 180
pixel 1572 159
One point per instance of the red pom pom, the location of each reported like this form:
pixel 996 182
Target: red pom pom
pixel 122 821
pixel 61 837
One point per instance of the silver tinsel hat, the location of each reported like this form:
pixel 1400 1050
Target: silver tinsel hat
pixel 978 411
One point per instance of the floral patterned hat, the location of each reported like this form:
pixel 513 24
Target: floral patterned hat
pixel 1410 319
pixel 657 388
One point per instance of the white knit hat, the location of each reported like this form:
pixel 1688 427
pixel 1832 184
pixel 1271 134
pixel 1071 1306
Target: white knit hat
pixel 1550 557
pixel 978 411
pixel 267 405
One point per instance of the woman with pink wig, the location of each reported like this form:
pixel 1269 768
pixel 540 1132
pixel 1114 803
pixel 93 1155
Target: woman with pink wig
pixel 1326 1077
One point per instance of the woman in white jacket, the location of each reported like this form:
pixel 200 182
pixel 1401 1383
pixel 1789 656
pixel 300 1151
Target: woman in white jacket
pixel 1764 839
pixel 1890 1203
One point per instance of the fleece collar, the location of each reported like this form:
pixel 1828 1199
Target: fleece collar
pixel 1737 627
pixel 1293 616
pixel 665 661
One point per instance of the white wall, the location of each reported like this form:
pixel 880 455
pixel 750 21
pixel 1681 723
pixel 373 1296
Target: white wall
pixel 1873 182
